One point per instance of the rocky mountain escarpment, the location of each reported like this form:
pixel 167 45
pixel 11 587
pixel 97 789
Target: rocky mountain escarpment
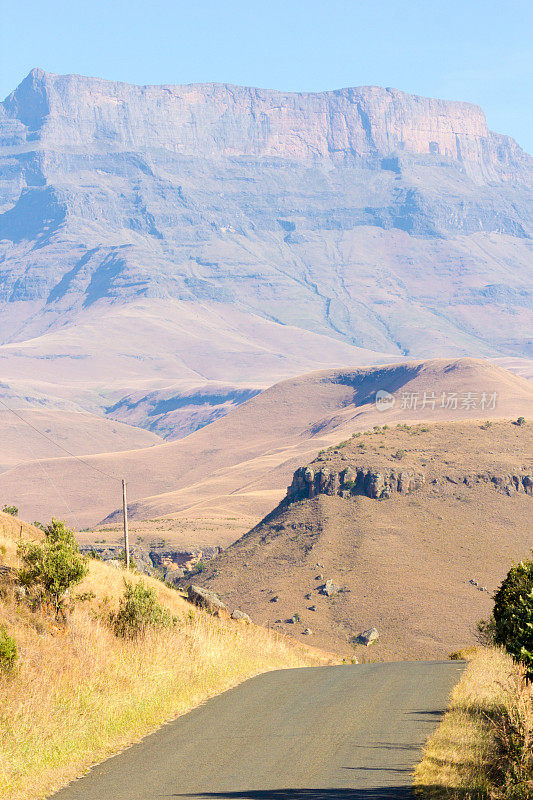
pixel 371 216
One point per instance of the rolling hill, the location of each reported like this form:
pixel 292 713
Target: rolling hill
pixel 237 468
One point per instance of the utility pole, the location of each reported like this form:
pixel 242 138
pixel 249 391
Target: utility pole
pixel 126 533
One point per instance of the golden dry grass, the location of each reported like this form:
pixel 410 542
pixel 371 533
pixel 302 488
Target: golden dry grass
pixel 468 756
pixel 81 694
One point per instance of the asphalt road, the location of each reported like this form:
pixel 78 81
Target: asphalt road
pixel 325 733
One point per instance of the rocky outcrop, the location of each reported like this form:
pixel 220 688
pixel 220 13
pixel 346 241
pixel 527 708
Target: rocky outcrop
pixel 307 482
pixel 204 598
pixel 380 484
pixel 510 483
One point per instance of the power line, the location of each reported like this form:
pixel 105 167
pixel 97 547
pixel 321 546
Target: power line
pixel 46 473
pixel 60 446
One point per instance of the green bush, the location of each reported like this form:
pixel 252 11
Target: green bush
pixel 50 569
pixel 12 510
pixel 513 615
pixel 8 651
pixel 349 485
pixel 139 610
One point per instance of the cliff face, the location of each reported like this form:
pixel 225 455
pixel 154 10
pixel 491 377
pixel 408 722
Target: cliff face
pixel 220 120
pixel 365 214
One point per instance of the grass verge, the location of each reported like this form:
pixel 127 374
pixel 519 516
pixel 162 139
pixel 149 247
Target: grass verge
pixel 483 748
pixel 80 694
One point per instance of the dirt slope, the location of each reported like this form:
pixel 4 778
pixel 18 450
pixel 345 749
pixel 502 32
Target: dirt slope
pixel 405 563
pixel 239 466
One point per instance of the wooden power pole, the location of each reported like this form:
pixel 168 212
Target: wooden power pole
pixel 126 533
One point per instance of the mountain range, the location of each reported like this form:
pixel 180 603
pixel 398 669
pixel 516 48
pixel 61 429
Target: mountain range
pixel 168 251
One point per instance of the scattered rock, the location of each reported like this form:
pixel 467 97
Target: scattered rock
pixel 307 632
pixel 329 588
pixel 312 608
pixel 319 577
pixel 368 637
pixel 241 616
pixel 204 598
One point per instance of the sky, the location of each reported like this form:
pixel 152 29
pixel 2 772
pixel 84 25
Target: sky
pixel 474 50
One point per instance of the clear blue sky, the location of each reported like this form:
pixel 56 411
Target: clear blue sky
pixel 475 50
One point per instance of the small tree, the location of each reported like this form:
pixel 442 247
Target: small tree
pixel 139 610
pixel 8 651
pixel 50 569
pixel 12 510
pixel 513 615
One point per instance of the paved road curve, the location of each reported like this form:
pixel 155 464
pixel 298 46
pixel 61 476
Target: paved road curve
pixel 325 733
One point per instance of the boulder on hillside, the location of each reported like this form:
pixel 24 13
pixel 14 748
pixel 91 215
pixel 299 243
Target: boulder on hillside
pixel 329 588
pixel 204 598
pixel 241 616
pixel 368 637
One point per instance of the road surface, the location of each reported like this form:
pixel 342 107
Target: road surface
pixel 324 733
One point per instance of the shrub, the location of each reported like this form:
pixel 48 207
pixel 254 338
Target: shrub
pixel 399 454
pixel 520 421
pixel 348 485
pixel 8 651
pixel 485 631
pixel 12 510
pixel 513 615
pixel 139 610
pixel 50 569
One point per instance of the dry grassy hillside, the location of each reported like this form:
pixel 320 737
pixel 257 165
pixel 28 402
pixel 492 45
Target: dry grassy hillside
pixel 80 432
pixel 405 563
pixel 80 693
pixel 237 468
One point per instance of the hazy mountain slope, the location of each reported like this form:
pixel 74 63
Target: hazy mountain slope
pixel 396 223
pixel 127 359
pixel 407 563
pixel 242 463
